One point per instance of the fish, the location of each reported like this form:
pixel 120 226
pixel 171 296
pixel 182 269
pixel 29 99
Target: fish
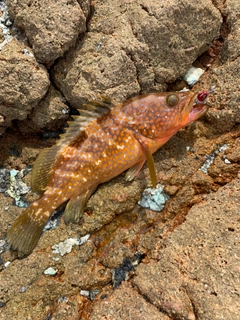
pixel 106 139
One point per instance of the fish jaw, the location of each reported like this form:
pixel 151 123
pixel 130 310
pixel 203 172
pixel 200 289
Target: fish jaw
pixel 194 109
pixel 197 112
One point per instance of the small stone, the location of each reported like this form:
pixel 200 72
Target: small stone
pixel 50 271
pixel 65 246
pixel 154 199
pixel 192 76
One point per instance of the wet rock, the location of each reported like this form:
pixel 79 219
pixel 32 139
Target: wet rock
pixel 197 272
pixel 133 49
pixel 51 28
pixel 23 83
pixel 122 272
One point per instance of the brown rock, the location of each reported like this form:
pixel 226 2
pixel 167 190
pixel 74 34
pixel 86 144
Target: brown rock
pixel 50 113
pixel 138 48
pixel 23 83
pixel 231 47
pixel 197 272
pixel 51 27
pixel 125 303
pixel 224 111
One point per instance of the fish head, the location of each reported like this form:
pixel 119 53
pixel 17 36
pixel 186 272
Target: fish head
pixel 195 106
pixel 180 109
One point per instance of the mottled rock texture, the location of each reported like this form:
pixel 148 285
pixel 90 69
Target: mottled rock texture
pixel 51 27
pixel 23 83
pixel 139 47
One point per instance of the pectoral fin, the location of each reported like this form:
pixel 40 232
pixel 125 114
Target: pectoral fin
pixel 75 207
pixel 150 161
pixel 151 165
pixel 133 171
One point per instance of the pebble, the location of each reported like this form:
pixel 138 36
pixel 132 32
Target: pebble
pixel 154 199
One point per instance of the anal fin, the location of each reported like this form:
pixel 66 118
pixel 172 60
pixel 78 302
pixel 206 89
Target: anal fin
pixel 75 207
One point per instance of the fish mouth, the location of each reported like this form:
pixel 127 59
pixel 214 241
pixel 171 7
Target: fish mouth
pixel 196 112
pixel 196 108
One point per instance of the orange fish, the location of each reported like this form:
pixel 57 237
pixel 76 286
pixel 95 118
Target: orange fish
pixel 105 140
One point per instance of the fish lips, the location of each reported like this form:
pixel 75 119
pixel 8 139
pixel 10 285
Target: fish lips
pixel 197 111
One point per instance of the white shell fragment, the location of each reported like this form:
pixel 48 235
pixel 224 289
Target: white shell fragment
pixel 192 76
pixel 154 199
pixel 50 271
pixel 65 246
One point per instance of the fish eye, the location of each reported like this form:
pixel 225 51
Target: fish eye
pixel 172 100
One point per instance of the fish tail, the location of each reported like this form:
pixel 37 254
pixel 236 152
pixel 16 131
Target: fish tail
pixel 27 228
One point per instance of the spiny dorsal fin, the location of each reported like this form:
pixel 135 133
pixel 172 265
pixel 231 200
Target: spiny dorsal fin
pixel 93 110
pixel 42 168
pixel 74 134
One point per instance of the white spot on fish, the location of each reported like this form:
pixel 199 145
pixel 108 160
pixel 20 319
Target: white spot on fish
pixel 84 179
pixel 111 142
pixel 120 147
pixel 98 162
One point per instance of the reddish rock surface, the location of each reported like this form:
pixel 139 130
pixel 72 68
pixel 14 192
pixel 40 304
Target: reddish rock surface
pixel 182 263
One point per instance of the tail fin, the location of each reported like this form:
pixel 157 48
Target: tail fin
pixel 27 229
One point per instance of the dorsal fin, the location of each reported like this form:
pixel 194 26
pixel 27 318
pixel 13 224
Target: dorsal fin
pixel 93 110
pixel 42 168
pixel 73 136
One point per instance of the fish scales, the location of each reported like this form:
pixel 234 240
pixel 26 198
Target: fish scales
pixel 104 141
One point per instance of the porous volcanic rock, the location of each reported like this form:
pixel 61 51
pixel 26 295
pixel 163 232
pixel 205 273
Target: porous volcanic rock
pixel 51 27
pixel 23 82
pixel 196 273
pixel 139 47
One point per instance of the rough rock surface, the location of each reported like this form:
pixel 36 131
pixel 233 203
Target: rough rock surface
pixel 126 303
pixel 182 263
pixel 196 269
pixel 50 113
pixel 138 48
pixel 23 83
pixel 51 27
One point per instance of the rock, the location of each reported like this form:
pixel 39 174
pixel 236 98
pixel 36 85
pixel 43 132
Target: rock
pixel 231 47
pixel 51 113
pixel 125 303
pixel 51 28
pixel 23 83
pixel 132 50
pixel 196 275
pixel 224 111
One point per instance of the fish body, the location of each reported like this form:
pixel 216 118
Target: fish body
pixel 104 141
